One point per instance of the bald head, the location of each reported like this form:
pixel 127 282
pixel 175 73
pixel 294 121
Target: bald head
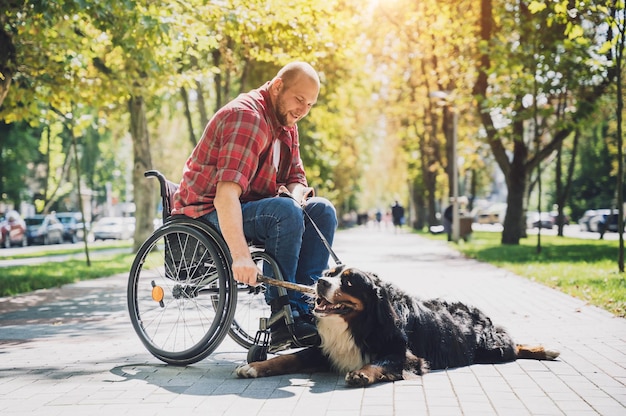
pixel 293 92
pixel 294 72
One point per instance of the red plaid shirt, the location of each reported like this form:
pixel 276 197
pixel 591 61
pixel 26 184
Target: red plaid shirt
pixel 237 146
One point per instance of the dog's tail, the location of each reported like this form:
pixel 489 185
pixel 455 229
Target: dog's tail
pixel 535 352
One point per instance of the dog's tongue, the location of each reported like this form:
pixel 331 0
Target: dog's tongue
pixel 321 304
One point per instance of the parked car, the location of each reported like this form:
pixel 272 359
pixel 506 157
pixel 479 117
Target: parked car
pixel 12 230
pixel 72 226
pixel 583 222
pixel 535 219
pixel 555 218
pixel 493 214
pixel 606 218
pixel 114 228
pixel 598 216
pixel 43 229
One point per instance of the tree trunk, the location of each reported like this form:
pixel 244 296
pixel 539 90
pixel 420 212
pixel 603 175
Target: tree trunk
pixel 204 119
pixel 448 133
pixel 620 142
pixel 7 63
pixel 145 204
pixel 559 190
pixel 419 204
pixel 517 182
pixel 80 195
pixel 429 178
pixel 563 190
pixel 217 79
pixel 192 134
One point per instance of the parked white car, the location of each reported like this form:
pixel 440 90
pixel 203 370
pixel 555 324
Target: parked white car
pixel 114 228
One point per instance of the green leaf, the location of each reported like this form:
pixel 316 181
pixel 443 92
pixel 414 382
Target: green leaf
pixel 536 6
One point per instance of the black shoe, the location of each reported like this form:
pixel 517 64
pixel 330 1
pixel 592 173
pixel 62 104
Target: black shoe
pixel 309 319
pixel 305 334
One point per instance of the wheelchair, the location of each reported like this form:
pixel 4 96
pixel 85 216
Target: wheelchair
pixel 182 298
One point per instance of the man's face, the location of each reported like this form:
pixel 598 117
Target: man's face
pixel 294 103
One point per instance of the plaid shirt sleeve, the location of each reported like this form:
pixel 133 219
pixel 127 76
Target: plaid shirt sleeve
pixel 244 141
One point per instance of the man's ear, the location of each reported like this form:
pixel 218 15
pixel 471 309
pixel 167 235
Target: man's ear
pixel 276 86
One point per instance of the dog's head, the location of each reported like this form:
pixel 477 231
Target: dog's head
pixel 345 292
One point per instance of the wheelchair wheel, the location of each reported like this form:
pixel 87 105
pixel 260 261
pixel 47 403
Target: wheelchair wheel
pixel 251 304
pixel 181 296
pixel 256 353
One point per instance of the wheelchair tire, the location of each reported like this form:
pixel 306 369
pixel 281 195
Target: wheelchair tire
pixel 256 353
pixel 181 296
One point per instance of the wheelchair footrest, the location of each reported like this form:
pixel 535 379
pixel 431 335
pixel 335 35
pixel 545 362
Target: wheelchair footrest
pixel 262 338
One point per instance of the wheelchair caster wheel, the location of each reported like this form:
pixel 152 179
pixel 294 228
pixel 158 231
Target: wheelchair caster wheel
pixel 257 353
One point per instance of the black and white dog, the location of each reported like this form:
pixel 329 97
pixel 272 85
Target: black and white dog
pixel 373 332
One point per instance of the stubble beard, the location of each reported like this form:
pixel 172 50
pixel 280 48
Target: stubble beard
pixel 281 114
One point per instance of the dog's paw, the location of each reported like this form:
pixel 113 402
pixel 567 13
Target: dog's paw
pixel 246 371
pixel 551 354
pixel 358 379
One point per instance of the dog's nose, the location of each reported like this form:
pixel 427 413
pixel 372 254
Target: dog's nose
pixel 322 284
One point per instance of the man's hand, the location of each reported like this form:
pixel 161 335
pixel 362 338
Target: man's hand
pixel 245 271
pixel 297 192
pixel 231 224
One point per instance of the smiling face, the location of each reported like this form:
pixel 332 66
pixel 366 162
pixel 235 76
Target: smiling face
pixel 292 103
pixel 343 293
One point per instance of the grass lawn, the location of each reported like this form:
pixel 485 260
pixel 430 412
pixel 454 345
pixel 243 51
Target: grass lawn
pixel 21 279
pixel 586 269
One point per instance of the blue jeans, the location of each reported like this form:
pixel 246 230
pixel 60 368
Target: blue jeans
pixel 279 224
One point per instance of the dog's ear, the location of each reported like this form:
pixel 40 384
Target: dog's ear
pixel 335 271
pixel 381 313
pixel 385 311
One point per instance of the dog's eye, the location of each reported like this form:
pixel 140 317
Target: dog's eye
pixel 348 283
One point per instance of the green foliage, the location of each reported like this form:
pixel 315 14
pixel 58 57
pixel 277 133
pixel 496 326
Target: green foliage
pixel 374 128
pixel 594 184
pixel 18 148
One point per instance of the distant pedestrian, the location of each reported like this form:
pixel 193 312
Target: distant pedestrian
pixel 397 215
pixel 379 217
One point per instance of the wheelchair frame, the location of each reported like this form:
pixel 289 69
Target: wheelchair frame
pixel 182 298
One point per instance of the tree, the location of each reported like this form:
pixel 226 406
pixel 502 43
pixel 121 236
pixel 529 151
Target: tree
pixel 424 52
pixel 18 148
pixel 617 41
pixel 555 63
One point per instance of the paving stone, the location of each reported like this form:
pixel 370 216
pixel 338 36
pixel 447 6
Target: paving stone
pixel 72 351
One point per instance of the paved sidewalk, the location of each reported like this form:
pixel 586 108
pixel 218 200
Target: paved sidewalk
pixel 73 351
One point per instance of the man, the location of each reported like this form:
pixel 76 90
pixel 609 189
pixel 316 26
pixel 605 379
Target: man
pixel 397 214
pixel 248 155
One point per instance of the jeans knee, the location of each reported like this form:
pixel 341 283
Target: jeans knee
pixel 323 211
pixel 289 214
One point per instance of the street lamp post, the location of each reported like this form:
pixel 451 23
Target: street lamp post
pixel 455 179
pixel 445 100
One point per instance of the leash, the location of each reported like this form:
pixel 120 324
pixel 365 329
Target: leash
pixel 295 286
pixel 319 232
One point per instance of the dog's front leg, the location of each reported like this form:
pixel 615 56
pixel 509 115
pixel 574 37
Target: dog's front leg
pixel 307 360
pixel 372 373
